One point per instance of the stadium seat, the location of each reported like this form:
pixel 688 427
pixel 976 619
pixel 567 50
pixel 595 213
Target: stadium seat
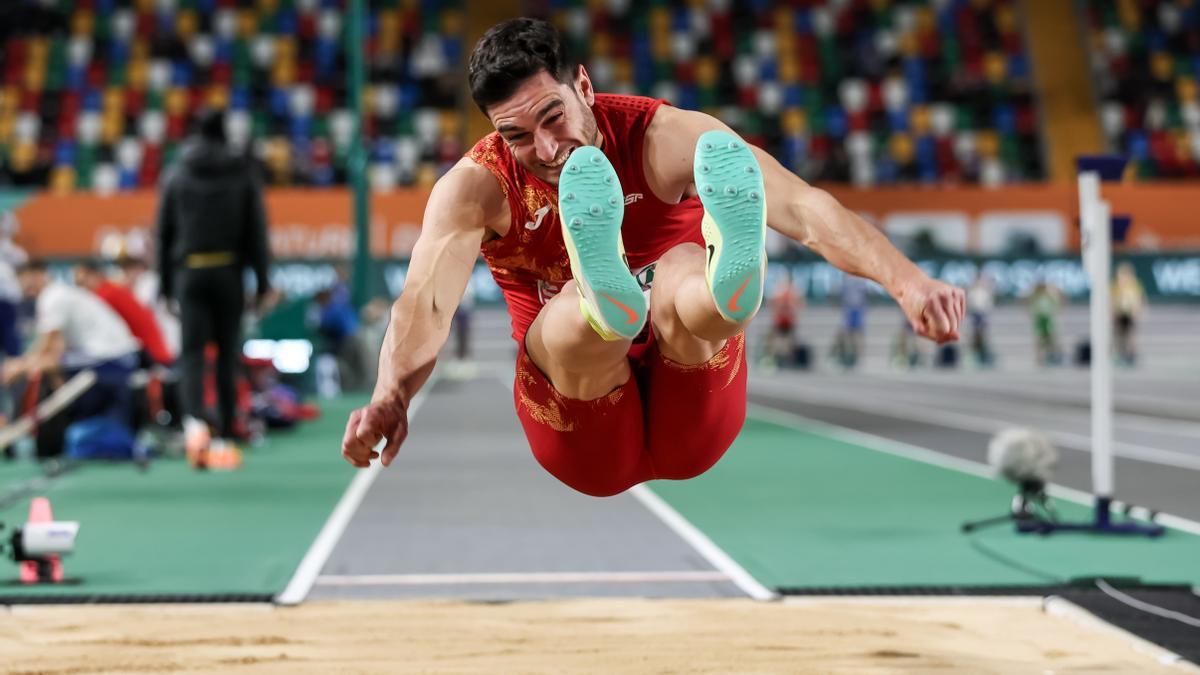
pixel 130 75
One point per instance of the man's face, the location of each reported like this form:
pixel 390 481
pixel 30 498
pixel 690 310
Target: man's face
pixel 130 274
pixel 81 276
pixel 544 120
pixel 32 282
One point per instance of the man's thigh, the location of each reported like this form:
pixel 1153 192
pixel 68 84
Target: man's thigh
pixel 693 412
pixel 596 447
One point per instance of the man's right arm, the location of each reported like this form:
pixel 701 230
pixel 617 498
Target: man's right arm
pixel 463 207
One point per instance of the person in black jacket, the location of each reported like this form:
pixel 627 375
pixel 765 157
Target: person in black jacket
pixel 211 226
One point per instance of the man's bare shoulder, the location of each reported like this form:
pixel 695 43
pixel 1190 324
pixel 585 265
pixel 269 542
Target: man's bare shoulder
pixel 469 175
pixel 471 188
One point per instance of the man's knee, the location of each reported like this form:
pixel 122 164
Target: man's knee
pixel 577 361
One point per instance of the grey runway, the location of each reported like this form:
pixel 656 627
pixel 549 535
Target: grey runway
pixel 466 512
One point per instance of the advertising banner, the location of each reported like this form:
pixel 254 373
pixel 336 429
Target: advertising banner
pixel 316 224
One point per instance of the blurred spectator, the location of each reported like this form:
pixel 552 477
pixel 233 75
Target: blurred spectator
pixel 336 323
pixel 854 315
pixel 906 348
pixel 211 225
pixel 1128 301
pixel 462 325
pixel 138 318
pixel 11 257
pixel 785 303
pixel 375 316
pixel 76 331
pixel 135 274
pixel 981 299
pixel 1044 303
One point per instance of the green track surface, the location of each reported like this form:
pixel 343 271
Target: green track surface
pixel 797 508
pixel 173 530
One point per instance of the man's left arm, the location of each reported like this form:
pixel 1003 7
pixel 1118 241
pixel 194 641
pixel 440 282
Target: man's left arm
pixel 813 218
pixel 43 354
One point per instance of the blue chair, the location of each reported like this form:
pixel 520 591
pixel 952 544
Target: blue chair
pixel 1004 118
pixel 279 101
pixel 64 152
pixel 836 123
pixel 1138 144
pixel 181 73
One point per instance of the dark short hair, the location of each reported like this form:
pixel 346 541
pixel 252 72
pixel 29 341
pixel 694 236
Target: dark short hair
pixel 126 261
pixel 210 124
pixel 33 265
pixel 89 265
pixel 513 51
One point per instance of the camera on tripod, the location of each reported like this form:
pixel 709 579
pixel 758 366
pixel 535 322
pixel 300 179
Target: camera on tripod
pixel 1027 457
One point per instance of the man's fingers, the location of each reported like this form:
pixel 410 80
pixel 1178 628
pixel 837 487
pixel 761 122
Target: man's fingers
pixel 351 448
pixel 354 450
pixel 952 309
pixel 351 436
pixel 394 440
pixel 937 323
pixel 370 429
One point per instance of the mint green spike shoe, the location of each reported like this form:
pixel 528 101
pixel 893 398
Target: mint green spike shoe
pixel 730 184
pixel 591 207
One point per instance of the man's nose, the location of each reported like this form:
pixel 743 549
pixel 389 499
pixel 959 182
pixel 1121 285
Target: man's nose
pixel 546 145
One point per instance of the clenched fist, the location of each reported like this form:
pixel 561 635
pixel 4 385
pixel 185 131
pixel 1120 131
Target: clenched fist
pixel 934 309
pixel 368 425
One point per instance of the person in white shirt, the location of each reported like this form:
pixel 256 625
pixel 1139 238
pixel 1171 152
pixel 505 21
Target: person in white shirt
pixel 74 331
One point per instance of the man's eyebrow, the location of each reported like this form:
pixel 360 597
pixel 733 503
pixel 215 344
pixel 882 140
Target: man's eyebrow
pixel 508 128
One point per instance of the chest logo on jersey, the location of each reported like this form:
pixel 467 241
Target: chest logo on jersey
pixel 537 218
pixel 631 198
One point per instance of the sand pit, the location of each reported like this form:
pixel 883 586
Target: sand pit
pixel 634 636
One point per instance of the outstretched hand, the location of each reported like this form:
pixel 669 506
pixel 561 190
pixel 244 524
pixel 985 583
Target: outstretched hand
pixel 934 309
pixel 369 425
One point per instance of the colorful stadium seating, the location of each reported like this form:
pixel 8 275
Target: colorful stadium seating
pixel 1146 61
pixel 96 94
pixel 873 92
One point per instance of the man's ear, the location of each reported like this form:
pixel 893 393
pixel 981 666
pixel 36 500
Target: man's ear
pixel 583 86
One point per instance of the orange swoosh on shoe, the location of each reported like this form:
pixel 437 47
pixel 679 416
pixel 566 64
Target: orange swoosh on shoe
pixel 733 299
pixel 633 316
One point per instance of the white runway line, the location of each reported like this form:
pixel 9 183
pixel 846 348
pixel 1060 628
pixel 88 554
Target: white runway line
pixel 917 453
pixel 306 573
pixel 685 576
pixel 703 545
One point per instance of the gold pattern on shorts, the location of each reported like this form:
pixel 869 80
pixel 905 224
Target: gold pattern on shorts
pixel 550 415
pixel 732 350
pixel 738 343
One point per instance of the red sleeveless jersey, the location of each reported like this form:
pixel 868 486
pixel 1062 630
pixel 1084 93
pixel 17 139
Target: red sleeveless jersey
pixel 530 263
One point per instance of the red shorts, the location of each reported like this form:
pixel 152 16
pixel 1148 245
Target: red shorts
pixel 668 421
